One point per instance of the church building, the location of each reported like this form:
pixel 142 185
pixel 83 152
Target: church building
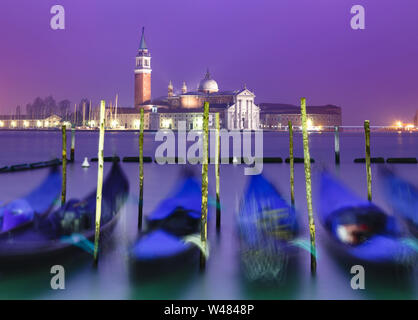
pixel 236 108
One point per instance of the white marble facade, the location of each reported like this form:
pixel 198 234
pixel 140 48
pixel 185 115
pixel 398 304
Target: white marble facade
pixel 244 114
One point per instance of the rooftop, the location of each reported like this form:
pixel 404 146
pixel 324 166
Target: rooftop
pixel 281 108
pixel 219 93
pixel 212 107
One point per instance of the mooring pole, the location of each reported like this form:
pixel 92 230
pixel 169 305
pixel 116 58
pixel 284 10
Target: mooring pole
pixel 337 144
pixel 368 167
pixel 217 160
pixel 204 216
pixel 141 168
pixel 64 164
pixel 72 143
pixel 307 161
pixel 99 182
pixel 292 165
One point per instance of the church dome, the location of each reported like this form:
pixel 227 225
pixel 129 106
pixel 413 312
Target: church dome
pixel 208 85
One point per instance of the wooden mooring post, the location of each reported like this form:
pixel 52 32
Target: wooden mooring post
pixel 141 168
pixel 307 162
pixel 99 182
pixel 72 143
pixel 217 177
pixel 204 214
pixel 368 167
pixel 292 165
pixel 64 164
pixel 337 144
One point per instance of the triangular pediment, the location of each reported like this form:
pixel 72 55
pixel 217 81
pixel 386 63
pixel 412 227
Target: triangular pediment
pixel 245 92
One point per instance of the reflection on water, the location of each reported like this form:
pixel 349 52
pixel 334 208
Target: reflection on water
pixel 115 277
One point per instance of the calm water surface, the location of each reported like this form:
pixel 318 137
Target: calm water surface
pixel 113 279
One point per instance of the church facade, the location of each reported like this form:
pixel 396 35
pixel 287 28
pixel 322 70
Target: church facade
pixel 237 110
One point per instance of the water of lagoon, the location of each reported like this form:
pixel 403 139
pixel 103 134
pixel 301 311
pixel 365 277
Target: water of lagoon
pixel 222 280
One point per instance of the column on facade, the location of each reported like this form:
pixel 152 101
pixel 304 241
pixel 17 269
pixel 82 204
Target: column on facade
pixel 251 115
pixel 240 114
pixel 236 115
pixel 247 118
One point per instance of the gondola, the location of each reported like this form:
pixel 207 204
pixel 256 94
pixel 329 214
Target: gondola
pixel 22 212
pixel 68 227
pixel 267 225
pixel 163 242
pixel 403 197
pixel 358 229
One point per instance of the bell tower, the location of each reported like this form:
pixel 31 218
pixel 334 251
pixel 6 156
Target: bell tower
pixel 142 73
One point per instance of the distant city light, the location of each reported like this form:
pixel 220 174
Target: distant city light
pixel 38 124
pixel 114 123
pixel 25 124
pixel 92 123
pixel 1 124
pixel 137 122
pixel 400 126
pixel 46 123
pixel 13 124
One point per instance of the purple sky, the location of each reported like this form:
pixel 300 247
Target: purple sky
pixel 282 50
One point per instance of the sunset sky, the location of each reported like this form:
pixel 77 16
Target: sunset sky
pixel 281 49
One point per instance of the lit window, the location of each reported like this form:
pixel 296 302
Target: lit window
pixel 199 123
pixel 166 123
